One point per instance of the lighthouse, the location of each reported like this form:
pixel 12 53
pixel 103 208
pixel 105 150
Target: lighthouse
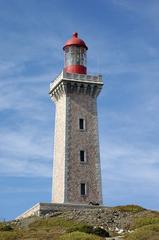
pixel 76 158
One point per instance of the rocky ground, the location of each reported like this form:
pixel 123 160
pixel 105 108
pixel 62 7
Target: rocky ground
pixel 117 219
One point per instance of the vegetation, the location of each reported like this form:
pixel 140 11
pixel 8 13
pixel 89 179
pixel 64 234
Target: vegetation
pixel 10 235
pixel 79 236
pixel 145 227
pixel 90 229
pixel 142 225
pixel 148 232
pixel 49 228
pixel 130 208
pixel 55 222
pixel 142 221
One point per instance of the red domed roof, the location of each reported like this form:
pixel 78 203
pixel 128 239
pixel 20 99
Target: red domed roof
pixel 75 41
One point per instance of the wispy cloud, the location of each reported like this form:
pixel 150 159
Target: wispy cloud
pixel 122 37
pixel 25 152
pixel 134 162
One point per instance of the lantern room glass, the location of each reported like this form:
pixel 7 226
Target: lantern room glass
pixel 75 55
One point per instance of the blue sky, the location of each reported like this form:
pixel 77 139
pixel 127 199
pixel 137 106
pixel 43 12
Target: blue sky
pixel 123 41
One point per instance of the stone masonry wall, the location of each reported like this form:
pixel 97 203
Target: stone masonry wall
pixel 59 151
pixel 82 106
pixel 76 99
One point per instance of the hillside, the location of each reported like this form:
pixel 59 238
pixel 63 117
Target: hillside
pixel 123 222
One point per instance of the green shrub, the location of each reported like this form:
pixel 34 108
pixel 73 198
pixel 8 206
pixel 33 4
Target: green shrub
pixel 5 227
pixel 79 236
pixel 90 229
pixel 130 208
pixel 100 232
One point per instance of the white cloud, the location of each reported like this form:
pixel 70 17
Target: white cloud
pixel 131 159
pixel 25 153
pixel 129 141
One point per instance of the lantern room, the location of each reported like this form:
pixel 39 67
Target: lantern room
pixel 75 57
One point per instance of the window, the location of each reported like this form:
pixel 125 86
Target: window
pixel 75 55
pixel 81 124
pixel 83 189
pixel 82 156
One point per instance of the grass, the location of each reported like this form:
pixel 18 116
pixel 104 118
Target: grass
pixel 5 227
pixel 9 236
pixel 79 236
pixel 52 228
pixel 55 222
pixel 143 221
pixel 130 208
pixel 7 232
pixel 145 227
pixel 148 232
pixel 91 230
pixel 47 229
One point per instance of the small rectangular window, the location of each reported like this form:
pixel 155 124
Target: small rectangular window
pixel 83 189
pixel 82 156
pixel 81 123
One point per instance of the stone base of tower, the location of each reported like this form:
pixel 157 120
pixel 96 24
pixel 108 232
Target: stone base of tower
pixel 41 209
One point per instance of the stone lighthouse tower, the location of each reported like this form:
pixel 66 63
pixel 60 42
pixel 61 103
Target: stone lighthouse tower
pixel 76 163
